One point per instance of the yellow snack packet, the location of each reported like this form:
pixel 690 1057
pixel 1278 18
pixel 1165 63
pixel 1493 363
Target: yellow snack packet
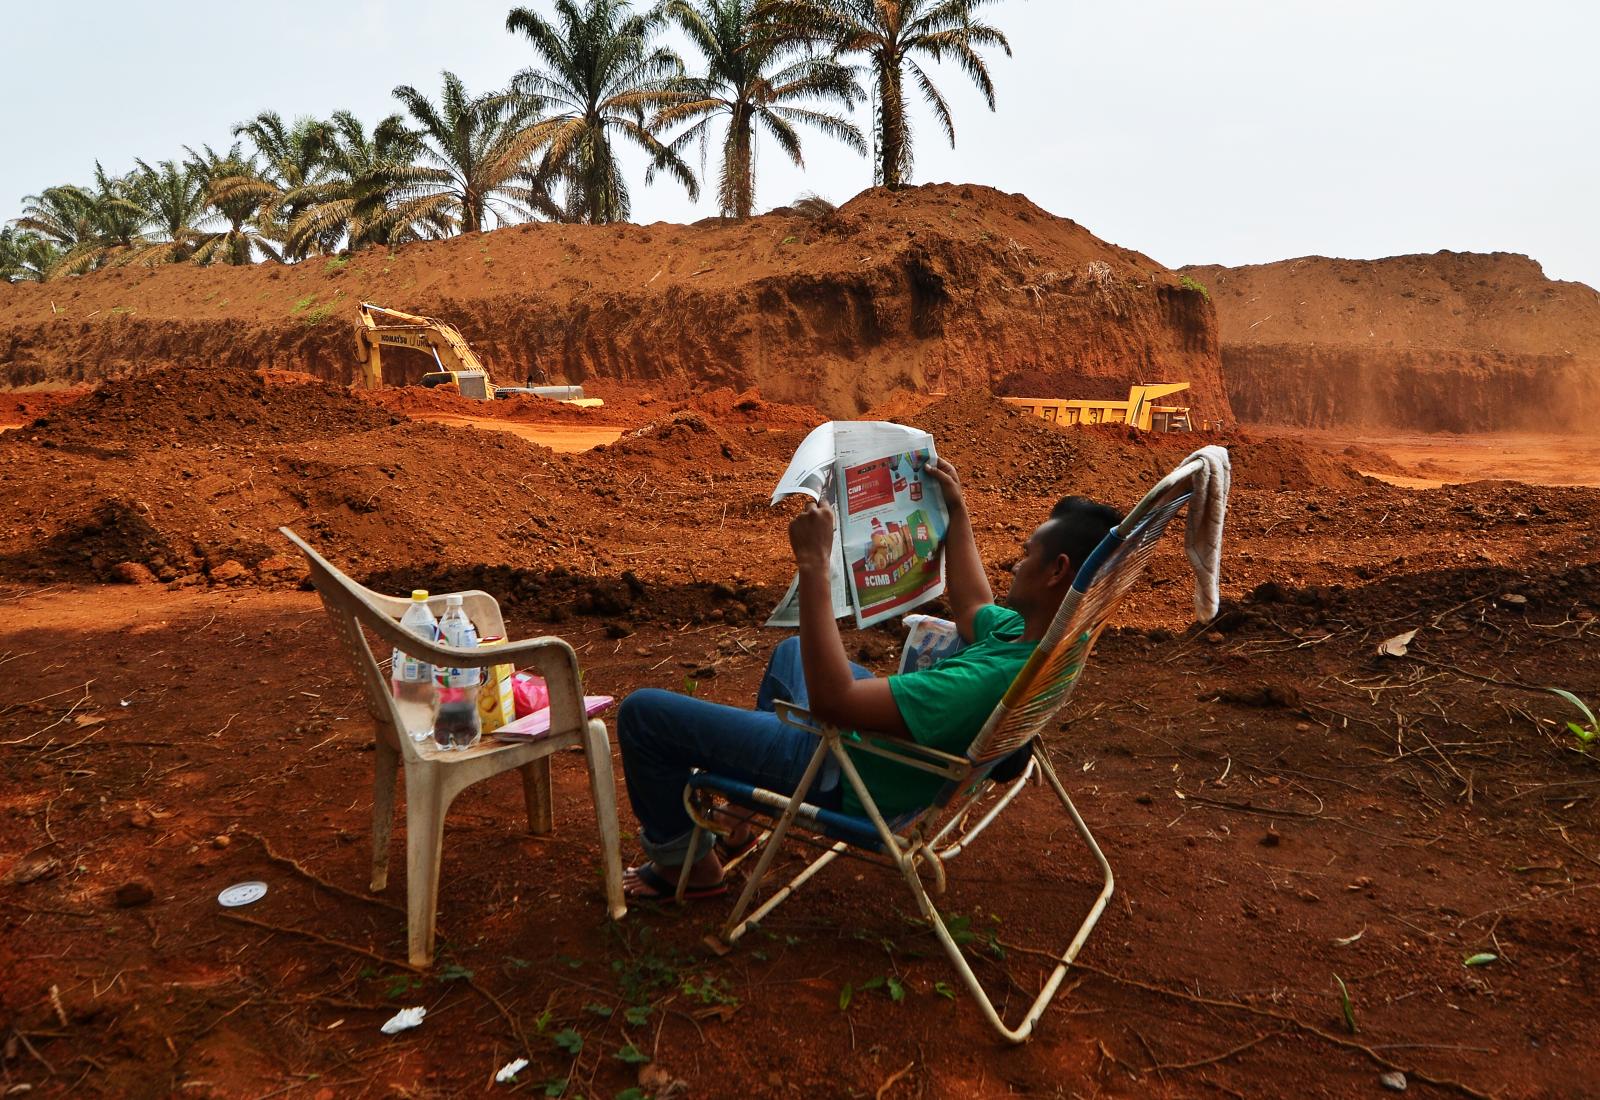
pixel 496 704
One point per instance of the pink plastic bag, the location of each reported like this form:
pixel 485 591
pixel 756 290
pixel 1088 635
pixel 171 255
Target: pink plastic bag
pixel 530 693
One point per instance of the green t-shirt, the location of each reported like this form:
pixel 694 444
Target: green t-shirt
pixel 944 707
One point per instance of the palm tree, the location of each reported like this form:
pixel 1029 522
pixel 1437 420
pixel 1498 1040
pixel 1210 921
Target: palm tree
pixel 25 257
pixel 755 74
pixel 600 73
pixel 174 200
pixel 89 227
pixel 293 158
pixel 473 151
pixel 363 201
pixel 891 33
pixel 238 243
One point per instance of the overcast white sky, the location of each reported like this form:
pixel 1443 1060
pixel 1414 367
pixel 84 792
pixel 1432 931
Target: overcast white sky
pixel 1231 131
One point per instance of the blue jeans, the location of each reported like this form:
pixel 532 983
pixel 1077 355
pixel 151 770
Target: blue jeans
pixel 663 735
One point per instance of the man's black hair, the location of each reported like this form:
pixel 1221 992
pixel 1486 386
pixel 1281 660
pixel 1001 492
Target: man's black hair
pixel 1075 527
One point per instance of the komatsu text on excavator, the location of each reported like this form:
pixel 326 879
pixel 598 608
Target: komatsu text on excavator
pixel 459 367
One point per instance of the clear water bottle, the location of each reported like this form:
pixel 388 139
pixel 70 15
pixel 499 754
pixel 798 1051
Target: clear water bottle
pixel 412 678
pixel 456 724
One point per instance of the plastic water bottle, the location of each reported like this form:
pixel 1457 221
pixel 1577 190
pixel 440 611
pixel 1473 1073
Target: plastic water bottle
pixel 410 677
pixel 456 724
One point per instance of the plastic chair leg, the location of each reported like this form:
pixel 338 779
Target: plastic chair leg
pixel 426 804
pixel 387 765
pixel 603 790
pixel 539 793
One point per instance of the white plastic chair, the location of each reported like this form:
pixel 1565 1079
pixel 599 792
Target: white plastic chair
pixel 434 777
pixel 935 835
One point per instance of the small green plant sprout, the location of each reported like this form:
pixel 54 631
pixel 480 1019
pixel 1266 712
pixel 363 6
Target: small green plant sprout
pixel 337 264
pixel 1346 1007
pixel 568 1040
pixel 454 972
pixel 886 982
pixel 1194 286
pixel 690 685
pixel 960 928
pixel 1584 731
pixel 709 990
pixel 632 1055
pixel 400 985
pixel 1482 958
pixel 945 990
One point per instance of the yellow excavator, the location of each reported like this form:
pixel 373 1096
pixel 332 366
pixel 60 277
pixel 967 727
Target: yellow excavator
pixel 460 369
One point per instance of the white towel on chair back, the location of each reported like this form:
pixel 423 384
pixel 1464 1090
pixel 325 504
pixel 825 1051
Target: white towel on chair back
pixel 1203 531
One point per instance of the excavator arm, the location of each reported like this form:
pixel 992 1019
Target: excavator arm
pixel 390 328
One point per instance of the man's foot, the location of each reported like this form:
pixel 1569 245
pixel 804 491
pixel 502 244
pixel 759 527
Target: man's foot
pixel 647 882
pixel 741 840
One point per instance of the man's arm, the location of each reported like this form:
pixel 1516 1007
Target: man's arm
pixel 967 584
pixel 836 695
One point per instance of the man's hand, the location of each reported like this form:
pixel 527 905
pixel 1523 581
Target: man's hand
pixel 967 584
pixel 811 535
pixel 950 481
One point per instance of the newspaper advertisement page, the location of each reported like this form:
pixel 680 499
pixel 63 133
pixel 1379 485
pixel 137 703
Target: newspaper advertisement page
pixel 891 518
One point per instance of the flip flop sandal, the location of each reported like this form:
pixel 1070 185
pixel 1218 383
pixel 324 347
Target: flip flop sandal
pixel 662 890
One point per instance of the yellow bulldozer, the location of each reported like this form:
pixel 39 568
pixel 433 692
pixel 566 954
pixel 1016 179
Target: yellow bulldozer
pixel 1140 409
pixel 460 369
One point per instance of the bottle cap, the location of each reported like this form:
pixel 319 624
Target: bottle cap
pixel 452 601
pixel 419 594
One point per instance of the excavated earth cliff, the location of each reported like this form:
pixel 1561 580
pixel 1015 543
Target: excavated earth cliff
pixel 943 287
pixel 1455 341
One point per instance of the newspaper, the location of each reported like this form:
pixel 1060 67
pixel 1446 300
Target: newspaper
pixel 888 541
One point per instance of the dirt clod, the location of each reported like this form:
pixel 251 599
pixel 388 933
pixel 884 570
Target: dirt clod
pixel 132 572
pixel 228 572
pixel 134 893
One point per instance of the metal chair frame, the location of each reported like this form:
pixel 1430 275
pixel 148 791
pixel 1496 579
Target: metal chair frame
pixel 925 837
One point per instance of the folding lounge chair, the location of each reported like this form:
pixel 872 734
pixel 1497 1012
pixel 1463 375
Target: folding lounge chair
pixel 937 834
pixel 434 778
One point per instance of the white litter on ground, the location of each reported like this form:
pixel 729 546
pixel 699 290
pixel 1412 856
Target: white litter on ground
pixel 509 1071
pixel 404 1020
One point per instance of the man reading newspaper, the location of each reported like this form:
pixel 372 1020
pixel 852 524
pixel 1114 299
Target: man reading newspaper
pixel 664 735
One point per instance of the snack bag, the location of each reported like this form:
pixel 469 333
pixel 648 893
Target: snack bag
pixel 496 702
pixel 531 693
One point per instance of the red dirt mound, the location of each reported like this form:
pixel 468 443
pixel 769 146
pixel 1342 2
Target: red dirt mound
pixel 682 445
pixel 724 406
pixel 201 406
pixel 996 444
pixel 1448 342
pixel 936 287
pixel 25 405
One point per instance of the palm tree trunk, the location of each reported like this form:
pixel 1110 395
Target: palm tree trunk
pixel 891 125
pixel 739 184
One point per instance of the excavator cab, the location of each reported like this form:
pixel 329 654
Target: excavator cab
pixel 468 383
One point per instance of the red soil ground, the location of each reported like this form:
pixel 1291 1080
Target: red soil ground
pixel 1281 804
